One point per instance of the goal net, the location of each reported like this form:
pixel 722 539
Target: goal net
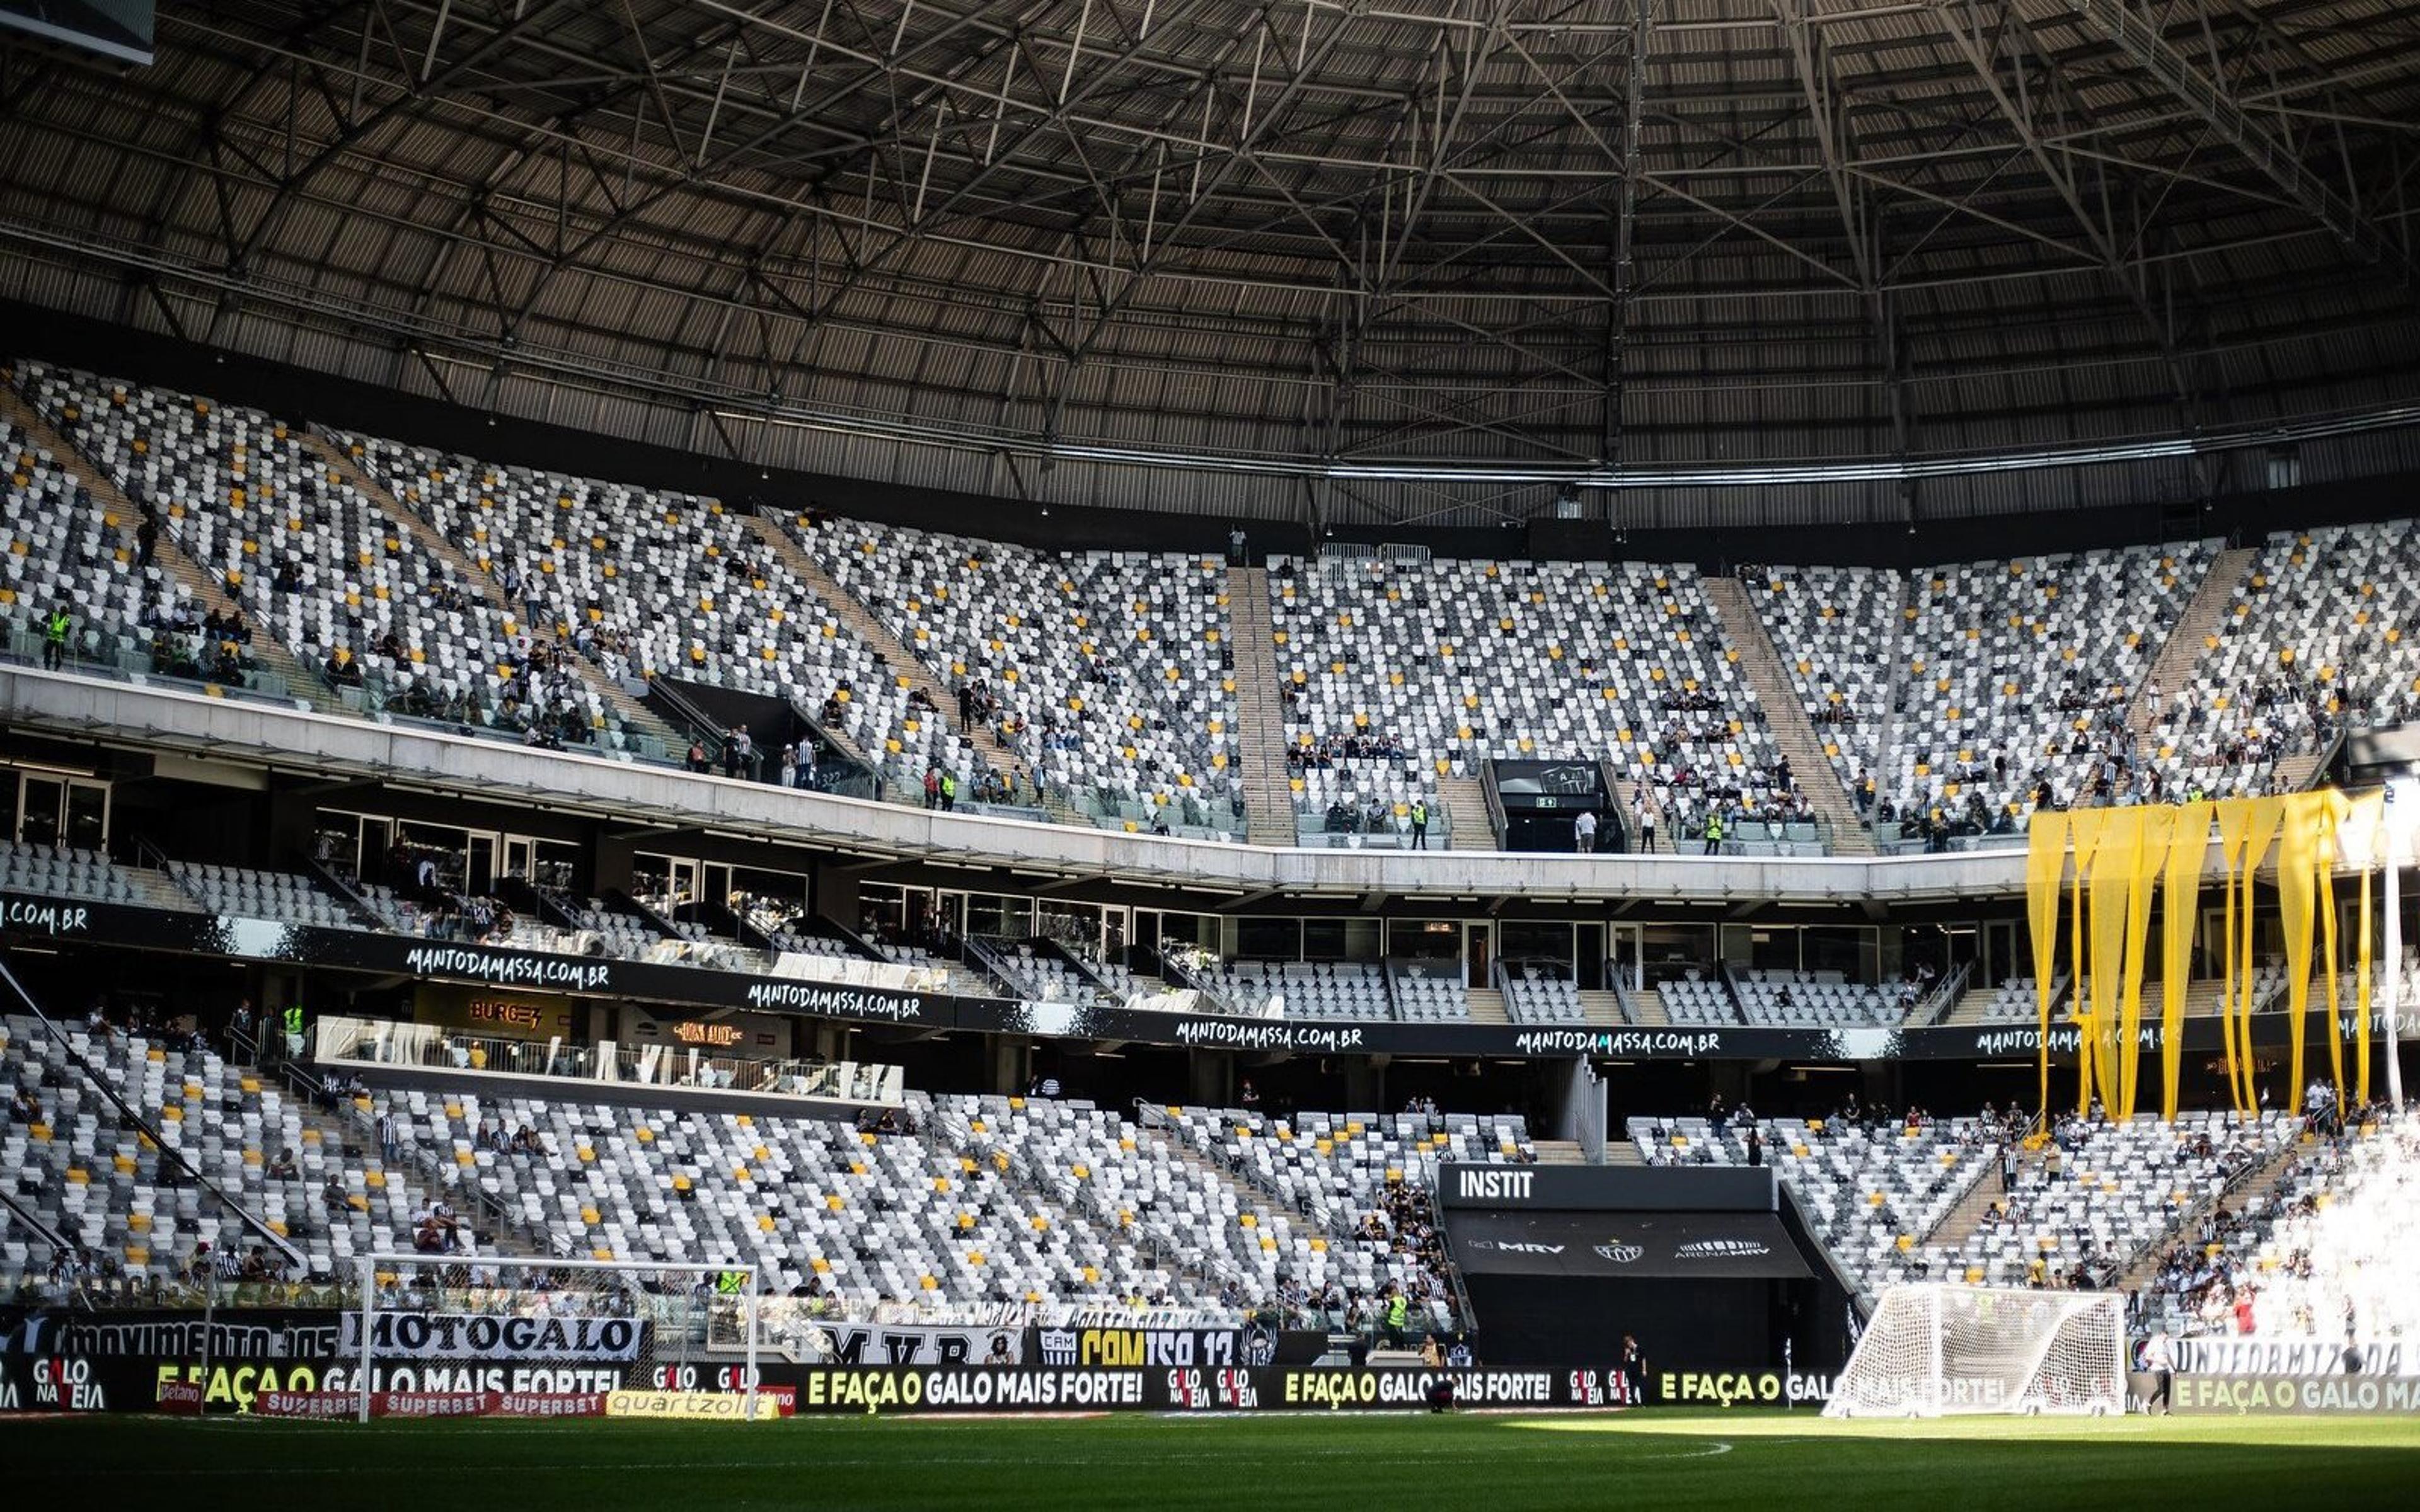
pixel 1950 1351
pixel 486 1335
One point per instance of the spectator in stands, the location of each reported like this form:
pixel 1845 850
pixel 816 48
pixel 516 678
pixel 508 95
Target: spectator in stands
pixel 282 1168
pixel 789 766
pixel 932 787
pixel 1583 832
pixel 1643 818
pixel 54 637
pixel 1420 824
pixel 332 1198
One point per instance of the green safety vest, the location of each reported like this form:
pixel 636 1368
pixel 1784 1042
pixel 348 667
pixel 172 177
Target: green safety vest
pixel 731 1283
pixel 294 1021
pixel 1397 1311
pixel 56 627
pixel 949 785
pixel 1713 826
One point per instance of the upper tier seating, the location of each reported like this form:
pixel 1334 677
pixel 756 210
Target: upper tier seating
pixel 316 562
pixel 648 582
pixel 60 550
pixel 1461 662
pixel 2004 669
pixel 1105 669
pixel 2317 638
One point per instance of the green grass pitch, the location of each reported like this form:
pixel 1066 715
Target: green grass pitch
pixel 1478 1463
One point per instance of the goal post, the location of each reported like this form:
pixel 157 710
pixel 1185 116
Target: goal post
pixel 1940 1351
pixel 480 1328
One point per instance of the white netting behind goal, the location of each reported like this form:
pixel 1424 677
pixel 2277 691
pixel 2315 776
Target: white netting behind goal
pixel 1945 1350
pixel 505 1333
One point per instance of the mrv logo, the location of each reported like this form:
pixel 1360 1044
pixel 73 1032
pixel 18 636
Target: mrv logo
pixel 1516 1246
pixel 1495 1186
pixel 1721 1249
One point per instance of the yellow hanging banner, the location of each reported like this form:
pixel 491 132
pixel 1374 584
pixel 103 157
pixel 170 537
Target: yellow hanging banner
pixel 2153 827
pixel 2330 821
pixel 2234 836
pixel 2365 833
pixel 2298 848
pixel 2179 912
pixel 2085 828
pixel 2267 814
pixel 2112 877
pixel 2045 858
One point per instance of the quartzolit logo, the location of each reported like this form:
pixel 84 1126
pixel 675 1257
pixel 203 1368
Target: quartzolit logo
pixel 1619 1253
pixel 1721 1249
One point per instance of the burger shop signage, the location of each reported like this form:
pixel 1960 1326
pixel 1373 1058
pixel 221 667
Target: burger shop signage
pixel 484 1011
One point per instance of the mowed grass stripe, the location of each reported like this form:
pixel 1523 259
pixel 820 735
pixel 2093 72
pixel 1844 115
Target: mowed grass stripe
pixel 1759 1462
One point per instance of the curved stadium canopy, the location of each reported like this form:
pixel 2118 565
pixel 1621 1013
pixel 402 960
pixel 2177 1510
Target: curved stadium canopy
pixel 1391 261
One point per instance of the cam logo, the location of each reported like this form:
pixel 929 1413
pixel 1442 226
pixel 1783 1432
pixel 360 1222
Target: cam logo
pixel 1619 1253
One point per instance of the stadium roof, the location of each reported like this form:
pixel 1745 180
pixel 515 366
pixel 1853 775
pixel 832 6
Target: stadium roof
pixel 1381 260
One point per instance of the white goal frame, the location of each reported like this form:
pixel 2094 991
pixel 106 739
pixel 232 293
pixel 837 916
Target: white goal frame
pixel 366 1307
pixel 2053 1353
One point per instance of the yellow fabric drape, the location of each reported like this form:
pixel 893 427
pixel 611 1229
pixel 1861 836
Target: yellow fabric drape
pixel 2234 836
pixel 2329 821
pixel 2179 911
pixel 2266 815
pixel 2298 849
pixel 2364 845
pixel 2123 1042
pixel 2084 828
pixel 2112 877
pixel 2045 858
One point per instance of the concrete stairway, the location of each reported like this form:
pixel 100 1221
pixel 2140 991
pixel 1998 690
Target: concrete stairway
pixel 1466 808
pixel 2296 772
pixel 1649 1005
pixel 1260 710
pixel 903 663
pixel 1487 1005
pixel 1792 731
pixel 1559 1151
pixel 2187 640
pixel 636 717
pixel 1972 1003
pixel 1602 1007
pixel 1958 1223
pixel 2255 1188
pixel 208 590
pixel 1621 1149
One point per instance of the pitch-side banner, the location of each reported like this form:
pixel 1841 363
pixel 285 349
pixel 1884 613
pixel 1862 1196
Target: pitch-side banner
pixel 872 1344
pixel 2254 1354
pixel 395 1337
pixel 2314 1396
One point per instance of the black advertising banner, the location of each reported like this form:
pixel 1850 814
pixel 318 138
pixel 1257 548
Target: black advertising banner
pixel 910 1344
pixel 1644 1245
pixel 1256 1344
pixel 144 1360
pixel 70 923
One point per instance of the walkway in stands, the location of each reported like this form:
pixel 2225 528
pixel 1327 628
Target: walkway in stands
pixel 1792 731
pixel 903 663
pixel 1260 710
pixel 1465 811
pixel 2254 1191
pixel 2194 632
pixel 208 592
pixel 638 717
